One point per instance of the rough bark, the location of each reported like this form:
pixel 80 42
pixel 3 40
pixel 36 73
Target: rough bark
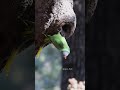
pixel 52 16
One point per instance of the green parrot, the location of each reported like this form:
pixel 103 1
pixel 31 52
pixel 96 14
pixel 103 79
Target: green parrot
pixel 27 37
pixel 59 42
pixel 57 39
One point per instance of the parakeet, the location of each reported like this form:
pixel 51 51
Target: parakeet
pixel 59 42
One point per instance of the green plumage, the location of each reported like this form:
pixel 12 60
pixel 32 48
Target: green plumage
pixel 60 43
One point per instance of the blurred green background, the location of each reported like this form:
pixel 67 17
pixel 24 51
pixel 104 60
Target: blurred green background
pixel 48 69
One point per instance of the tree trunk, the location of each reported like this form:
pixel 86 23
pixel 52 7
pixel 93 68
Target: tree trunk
pixel 103 47
pixel 74 66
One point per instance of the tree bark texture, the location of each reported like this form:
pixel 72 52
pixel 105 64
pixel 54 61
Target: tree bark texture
pixel 74 66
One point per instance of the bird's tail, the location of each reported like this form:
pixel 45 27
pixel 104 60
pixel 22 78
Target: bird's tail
pixel 38 53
